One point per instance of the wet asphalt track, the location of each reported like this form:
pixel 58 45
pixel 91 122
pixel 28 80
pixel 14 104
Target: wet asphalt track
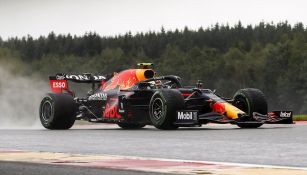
pixel 20 168
pixel 284 145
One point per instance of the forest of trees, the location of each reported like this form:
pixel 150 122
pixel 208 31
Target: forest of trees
pixel 271 57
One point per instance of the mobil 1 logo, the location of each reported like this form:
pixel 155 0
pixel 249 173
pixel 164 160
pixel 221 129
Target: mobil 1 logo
pixel 187 116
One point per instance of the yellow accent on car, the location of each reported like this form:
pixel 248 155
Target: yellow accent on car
pixel 140 74
pixel 232 111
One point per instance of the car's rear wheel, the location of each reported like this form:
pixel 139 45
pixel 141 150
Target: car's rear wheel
pixel 163 108
pixel 57 111
pixel 250 100
pixel 130 125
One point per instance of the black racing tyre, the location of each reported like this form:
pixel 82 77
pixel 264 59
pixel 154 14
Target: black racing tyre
pixel 249 125
pixel 57 111
pixel 130 125
pixel 163 108
pixel 250 100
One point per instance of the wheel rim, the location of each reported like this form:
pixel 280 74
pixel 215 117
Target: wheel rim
pixel 46 111
pixel 241 103
pixel 157 108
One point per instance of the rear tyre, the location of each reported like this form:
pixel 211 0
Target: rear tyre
pixel 57 111
pixel 250 100
pixel 130 125
pixel 163 108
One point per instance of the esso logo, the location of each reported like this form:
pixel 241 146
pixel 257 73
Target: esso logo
pixel 61 85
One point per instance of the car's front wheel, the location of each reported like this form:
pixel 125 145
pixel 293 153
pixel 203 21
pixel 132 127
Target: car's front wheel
pixel 130 125
pixel 163 108
pixel 250 100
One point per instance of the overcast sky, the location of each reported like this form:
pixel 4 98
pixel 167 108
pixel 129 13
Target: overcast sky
pixel 112 17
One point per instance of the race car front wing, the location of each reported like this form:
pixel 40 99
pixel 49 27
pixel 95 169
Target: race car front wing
pixel 192 117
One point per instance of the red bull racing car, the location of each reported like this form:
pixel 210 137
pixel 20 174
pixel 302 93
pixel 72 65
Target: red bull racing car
pixel 134 98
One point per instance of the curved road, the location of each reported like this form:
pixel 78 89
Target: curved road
pixel 284 145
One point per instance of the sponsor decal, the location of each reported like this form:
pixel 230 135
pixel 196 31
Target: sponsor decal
pixel 187 115
pixel 77 77
pixel 285 114
pixel 60 77
pixel 121 110
pixel 59 84
pixel 99 77
pixel 111 109
pixel 123 80
pixel 98 96
pixel 80 77
pixel 121 107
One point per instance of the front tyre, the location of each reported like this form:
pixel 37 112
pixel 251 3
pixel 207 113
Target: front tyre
pixel 130 125
pixel 250 100
pixel 57 111
pixel 163 108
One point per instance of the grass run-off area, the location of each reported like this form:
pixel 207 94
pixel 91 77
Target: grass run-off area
pixel 300 117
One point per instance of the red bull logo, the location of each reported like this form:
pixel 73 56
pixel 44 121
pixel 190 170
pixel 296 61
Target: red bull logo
pixel 126 79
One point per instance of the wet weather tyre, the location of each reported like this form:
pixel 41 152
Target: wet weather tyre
pixel 251 100
pixel 130 125
pixel 163 108
pixel 249 125
pixel 57 111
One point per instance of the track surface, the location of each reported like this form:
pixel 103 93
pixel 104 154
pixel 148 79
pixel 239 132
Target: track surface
pixel 283 145
pixel 19 168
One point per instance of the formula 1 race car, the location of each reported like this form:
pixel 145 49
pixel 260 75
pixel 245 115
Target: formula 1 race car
pixel 134 98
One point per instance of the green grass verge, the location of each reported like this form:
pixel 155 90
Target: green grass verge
pixel 300 117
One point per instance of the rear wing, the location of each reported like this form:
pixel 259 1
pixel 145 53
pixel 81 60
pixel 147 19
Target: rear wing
pixel 59 82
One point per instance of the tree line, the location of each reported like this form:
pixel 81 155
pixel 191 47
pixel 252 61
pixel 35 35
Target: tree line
pixel 268 56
